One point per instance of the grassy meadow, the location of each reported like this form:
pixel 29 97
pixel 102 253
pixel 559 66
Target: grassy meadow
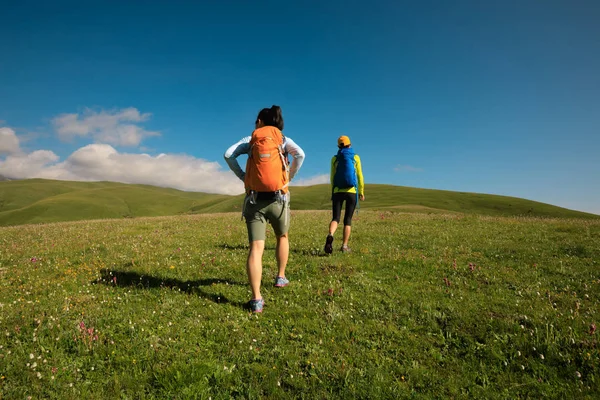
pixel 437 305
pixel 34 201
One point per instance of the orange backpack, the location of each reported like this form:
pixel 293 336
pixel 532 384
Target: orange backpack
pixel 267 166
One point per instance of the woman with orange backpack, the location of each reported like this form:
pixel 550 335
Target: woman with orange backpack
pixel 266 182
pixel 347 185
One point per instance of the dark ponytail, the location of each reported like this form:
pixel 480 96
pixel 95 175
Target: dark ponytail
pixel 271 117
pixel 276 117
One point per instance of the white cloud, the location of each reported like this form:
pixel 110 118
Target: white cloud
pixel 315 180
pixel 407 168
pixel 23 166
pixel 101 162
pixel 116 127
pixel 9 142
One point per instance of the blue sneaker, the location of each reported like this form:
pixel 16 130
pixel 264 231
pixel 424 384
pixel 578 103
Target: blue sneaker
pixel 256 305
pixel 281 282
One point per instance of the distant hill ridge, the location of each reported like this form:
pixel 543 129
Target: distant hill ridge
pixel 43 201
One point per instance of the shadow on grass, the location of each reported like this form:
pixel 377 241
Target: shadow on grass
pixel 270 247
pixel 194 287
pixel 238 246
pixel 310 252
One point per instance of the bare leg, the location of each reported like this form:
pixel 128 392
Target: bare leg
pixel 282 252
pixel 254 267
pixel 332 227
pixel 347 230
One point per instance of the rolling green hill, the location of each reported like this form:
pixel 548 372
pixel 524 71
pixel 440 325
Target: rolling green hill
pixel 43 201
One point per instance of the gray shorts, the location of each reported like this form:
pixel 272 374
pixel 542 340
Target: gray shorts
pixel 266 211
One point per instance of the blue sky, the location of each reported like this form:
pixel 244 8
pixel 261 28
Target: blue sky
pixel 495 97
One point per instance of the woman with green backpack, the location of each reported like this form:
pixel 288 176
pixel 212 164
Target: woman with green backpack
pixel 347 186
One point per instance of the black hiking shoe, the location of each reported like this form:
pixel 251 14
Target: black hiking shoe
pixel 329 244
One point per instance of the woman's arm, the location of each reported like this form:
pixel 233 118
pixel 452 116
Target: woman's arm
pixel 297 154
pixel 359 175
pixel 232 153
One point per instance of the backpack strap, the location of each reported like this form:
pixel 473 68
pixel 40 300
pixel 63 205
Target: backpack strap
pixel 284 162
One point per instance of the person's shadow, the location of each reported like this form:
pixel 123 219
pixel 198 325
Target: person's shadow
pixel 194 287
pixel 270 247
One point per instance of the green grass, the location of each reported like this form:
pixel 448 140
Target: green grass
pixel 426 306
pixel 43 201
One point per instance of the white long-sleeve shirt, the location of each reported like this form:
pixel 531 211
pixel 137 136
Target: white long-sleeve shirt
pixel 243 147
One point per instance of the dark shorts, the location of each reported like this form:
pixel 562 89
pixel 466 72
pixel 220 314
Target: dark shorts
pixel 337 200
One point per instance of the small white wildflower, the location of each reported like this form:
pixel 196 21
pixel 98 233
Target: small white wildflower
pixel 542 356
pixel 39 375
pixel 578 374
pixel 522 367
pixel 519 353
pixel 31 356
pixel 34 365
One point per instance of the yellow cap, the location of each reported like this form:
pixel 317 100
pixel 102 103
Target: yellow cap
pixel 343 141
